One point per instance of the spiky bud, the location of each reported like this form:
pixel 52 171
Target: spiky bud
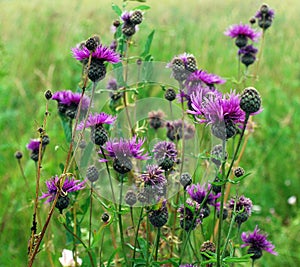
pixel 136 17
pixel 238 172
pixel 48 94
pixel 130 198
pixel 97 70
pixel 92 43
pixel 185 179
pixel 208 246
pixel 62 203
pixel 217 154
pixel 158 218
pixel 250 100
pixel 128 29
pixel 191 64
pixel 122 165
pixel 166 163
pixel 170 94
pixel 98 135
pixel 92 173
pixel 116 23
pixel 18 155
pixel 256 251
pixel 241 41
pixel 105 217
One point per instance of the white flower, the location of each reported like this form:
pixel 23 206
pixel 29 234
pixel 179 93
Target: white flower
pixel 292 200
pixel 67 259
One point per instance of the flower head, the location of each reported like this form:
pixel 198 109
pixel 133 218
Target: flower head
pixel 70 185
pixel 187 265
pixel 247 54
pixel 244 30
pixel 265 16
pixel 201 76
pixel 67 259
pixel 257 243
pixel 190 215
pixel 198 194
pixel 179 129
pixel 97 119
pixel 132 148
pixel 33 145
pixel 154 175
pixel 102 53
pixel 242 203
pixel 216 109
pixel 156 119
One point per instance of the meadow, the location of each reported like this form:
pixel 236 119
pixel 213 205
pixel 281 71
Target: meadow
pixel 35 42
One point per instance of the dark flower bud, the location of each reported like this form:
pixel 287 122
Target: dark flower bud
pixel 250 100
pixel 45 140
pixel 241 41
pixel 256 251
pixel 92 43
pixel 92 173
pixel 128 29
pixel 18 155
pixel 185 179
pixel 122 165
pixel 252 20
pixel 238 172
pixel 136 17
pixel 105 217
pixel 130 198
pixel 98 135
pixel 97 70
pixel 208 247
pixel 62 203
pixel 116 23
pixel 170 94
pixel 48 94
pixel 158 218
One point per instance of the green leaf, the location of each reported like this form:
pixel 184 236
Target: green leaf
pixel 117 10
pixel 67 126
pixel 245 258
pixel 148 44
pixel 111 258
pixel 139 262
pixel 141 1
pixel 86 155
pixel 142 7
pixel 143 246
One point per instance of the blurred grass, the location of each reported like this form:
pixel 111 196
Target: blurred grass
pixel 35 43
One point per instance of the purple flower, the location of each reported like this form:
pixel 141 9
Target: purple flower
pixel 33 145
pixel 242 204
pixel 154 175
pixel 102 52
pixel 182 65
pixel 244 30
pixel 215 109
pixel 70 185
pixel 176 129
pixel 125 16
pixel 198 193
pixel 187 265
pixel 154 184
pixel 123 149
pixel 165 154
pixel 201 76
pixel 68 98
pixel 190 215
pixel 249 49
pixel 257 243
pixel 265 12
pixel 96 120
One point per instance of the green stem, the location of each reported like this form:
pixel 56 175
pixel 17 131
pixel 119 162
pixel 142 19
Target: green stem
pixel 136 235
pixel 157 243
pixel 121 223
pixel 91 209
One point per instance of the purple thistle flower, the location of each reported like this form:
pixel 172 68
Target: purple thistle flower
pixel 249 49
pixel 97 120
pixel 122 148
pixel 198 193
pixel 201 76
pixel 257 243
pixel 165 149
pixel 176 129
pixel 154 175
pixel 215 109
pixel 187 265
pixel 190 215
pixel 68 98
pixel 125 16
pixel 266 12
pixel 102 52
pixel 244 30
pixel 33 145
pixel 242 203
pixel 70 185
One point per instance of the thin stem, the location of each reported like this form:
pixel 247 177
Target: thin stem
pixel 194 251
pixel 90 219
pixel 121 223
pixel 22 172
pixel 259 56
pixel 82 243
pixel 157 243
pixel 131 216
pixel 136 235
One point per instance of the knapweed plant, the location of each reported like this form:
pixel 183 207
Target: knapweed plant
pixel 154 154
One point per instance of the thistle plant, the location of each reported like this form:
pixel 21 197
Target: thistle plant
pixel 166 198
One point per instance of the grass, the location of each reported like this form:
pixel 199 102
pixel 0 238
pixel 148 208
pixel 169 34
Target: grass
pixel 35 56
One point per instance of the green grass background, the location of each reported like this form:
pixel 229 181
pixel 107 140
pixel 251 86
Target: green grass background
pixel 35 41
